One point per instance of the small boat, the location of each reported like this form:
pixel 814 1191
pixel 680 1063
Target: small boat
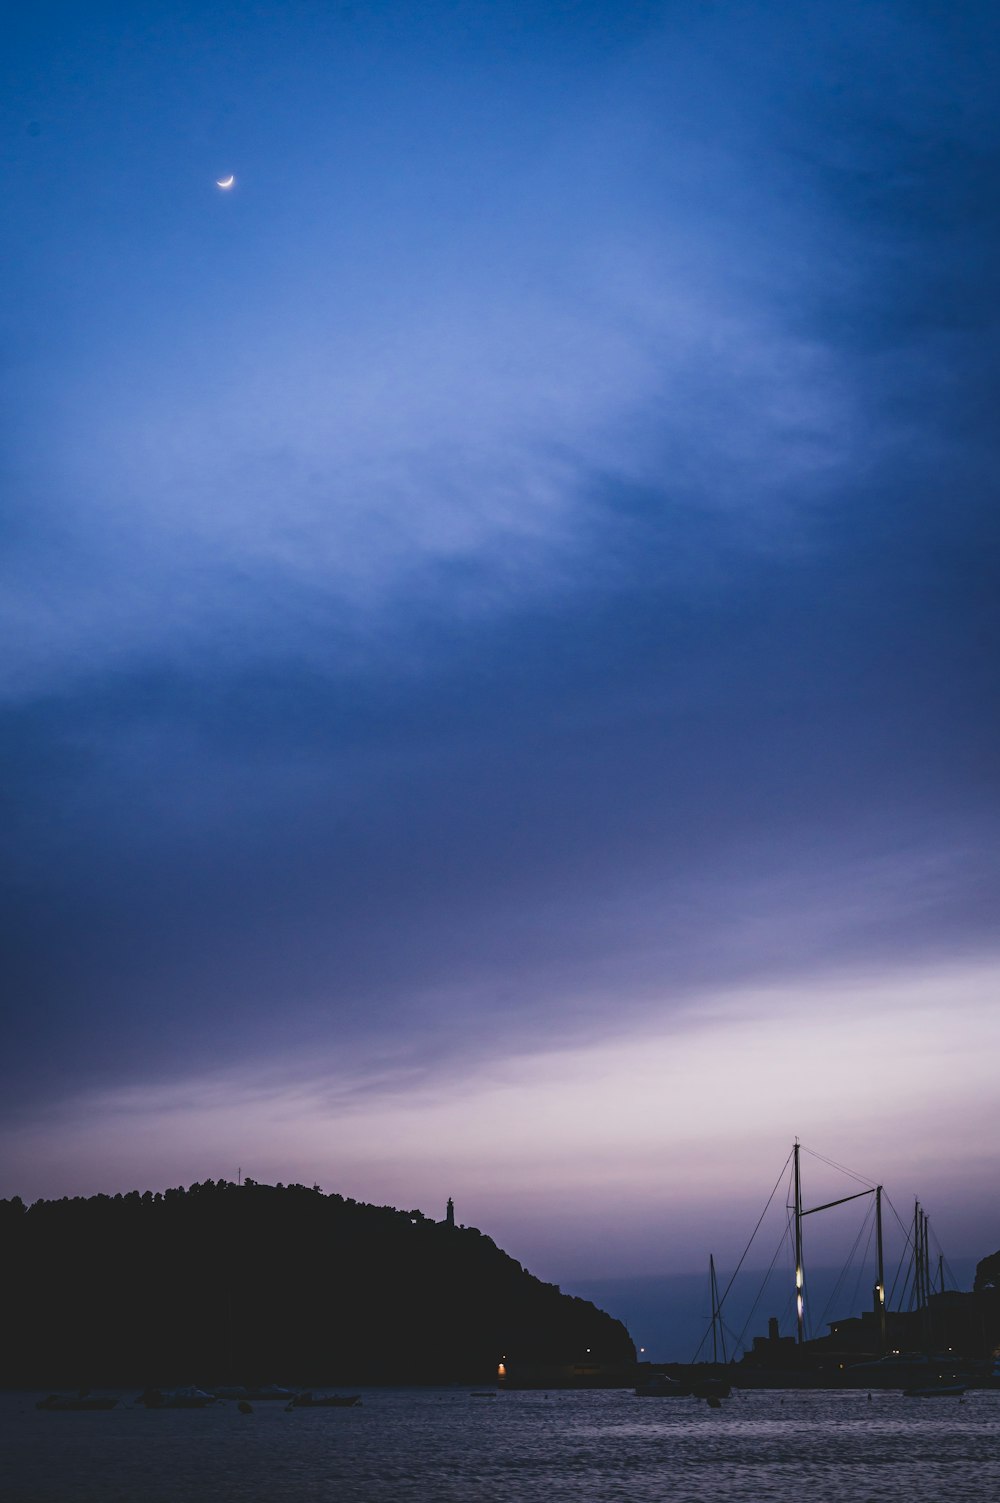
pixel 479 1393
pixel 936 1391
pixel 659 1386
pixel 310 1400
pixel 710 1388
pixel 80 1402
pixel 176 1398
pixel 267 1391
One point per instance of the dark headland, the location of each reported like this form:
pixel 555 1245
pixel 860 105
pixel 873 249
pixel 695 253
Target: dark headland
pixel 254 1283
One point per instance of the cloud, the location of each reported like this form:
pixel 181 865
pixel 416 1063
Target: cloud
pixel 330 436
pixel 525 578
pixel 669 1116
pixel 336 493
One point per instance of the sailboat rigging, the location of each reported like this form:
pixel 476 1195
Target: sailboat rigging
pixel 881 1347
pixel 916 1336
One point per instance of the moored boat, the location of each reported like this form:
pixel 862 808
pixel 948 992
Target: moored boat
pixel 659 1386
pixel 80 1402
pixel 711 1388
pixel 176 1398
pixel 310 1400
pixel 260 1394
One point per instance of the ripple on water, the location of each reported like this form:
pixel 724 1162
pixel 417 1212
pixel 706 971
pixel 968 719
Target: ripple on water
pixel 436 1446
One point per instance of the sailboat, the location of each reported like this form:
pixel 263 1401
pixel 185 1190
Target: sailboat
pixel 700 1384
pixel 78 1402
pixel 857 1351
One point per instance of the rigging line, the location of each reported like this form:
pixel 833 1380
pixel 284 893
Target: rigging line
pixel 841 1168
pixel 936 1241
pixel 753 1234
pixel 787 1311
pixel 724 1327
pixel 753 1308
pixel 869 1216
pixel 786 1314
pixel 861 1265
pixel 904 1228
pixel 906 1280
pixel 914 1291
pixel 716 1315
pixel 834 1294
pixel 707 1332
pixel 895 1281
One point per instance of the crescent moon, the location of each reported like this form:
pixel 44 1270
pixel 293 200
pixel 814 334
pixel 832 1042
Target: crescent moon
pixel 225 182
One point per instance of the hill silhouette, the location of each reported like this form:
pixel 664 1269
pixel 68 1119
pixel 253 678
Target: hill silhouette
pixel 250 1283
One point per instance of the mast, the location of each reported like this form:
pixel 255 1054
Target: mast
pixel 718 1332
pixel 799 1276
pixel 921 1274
pixel 879 1274
pixel 928 1333
pixel 711 1282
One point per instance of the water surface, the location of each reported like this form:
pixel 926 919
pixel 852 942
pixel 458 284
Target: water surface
pixel 442 1444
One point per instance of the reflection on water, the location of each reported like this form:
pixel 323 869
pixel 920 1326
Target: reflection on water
pixel 441 1444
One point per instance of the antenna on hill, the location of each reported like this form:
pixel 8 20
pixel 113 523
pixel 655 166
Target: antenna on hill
pixel 239 1176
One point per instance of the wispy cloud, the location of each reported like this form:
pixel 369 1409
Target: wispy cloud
pixel 675 1115
pixel 345 439
pixel 515 580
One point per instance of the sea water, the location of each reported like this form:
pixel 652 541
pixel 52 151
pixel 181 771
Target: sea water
pixel 445 1444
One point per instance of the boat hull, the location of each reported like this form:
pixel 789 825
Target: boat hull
pixel 326 1401
pixel 75 1405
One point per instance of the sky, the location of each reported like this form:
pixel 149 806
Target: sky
pixel 498 631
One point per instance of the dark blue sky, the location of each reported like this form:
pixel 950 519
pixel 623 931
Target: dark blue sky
pixel 499 623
